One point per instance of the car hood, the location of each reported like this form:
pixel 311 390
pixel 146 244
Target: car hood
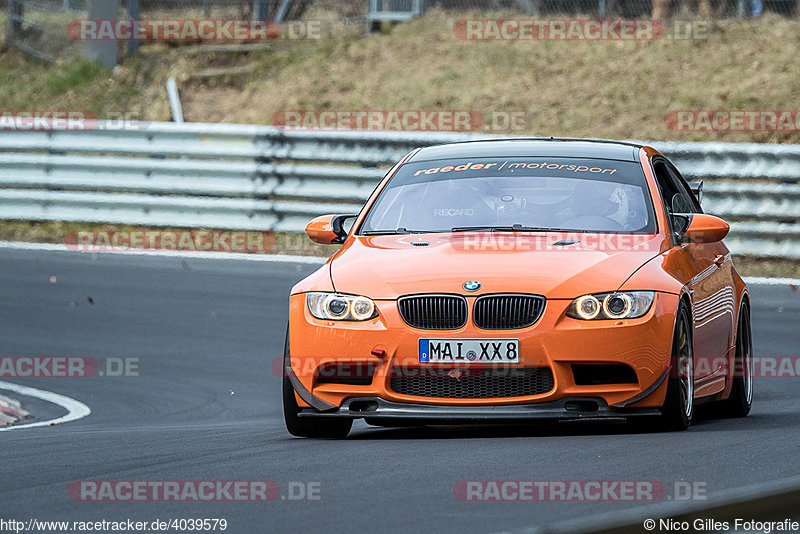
pixel 555 265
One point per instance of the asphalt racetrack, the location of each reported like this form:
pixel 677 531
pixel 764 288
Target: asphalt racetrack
pixel 206 406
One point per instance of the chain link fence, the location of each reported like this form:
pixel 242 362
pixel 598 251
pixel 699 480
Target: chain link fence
pixel 40 27
pixel 226 9
pixel 209 9
pixel 396 10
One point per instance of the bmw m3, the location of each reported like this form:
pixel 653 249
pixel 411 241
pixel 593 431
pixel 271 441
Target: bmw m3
pixel 515 280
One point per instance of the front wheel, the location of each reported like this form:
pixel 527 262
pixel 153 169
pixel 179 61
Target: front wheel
pixel 310 427
pixel 678 409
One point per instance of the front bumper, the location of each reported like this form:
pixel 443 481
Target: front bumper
pixel 556 342
pixel 375 409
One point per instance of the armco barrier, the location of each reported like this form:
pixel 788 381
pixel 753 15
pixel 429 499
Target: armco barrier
pixel 250 177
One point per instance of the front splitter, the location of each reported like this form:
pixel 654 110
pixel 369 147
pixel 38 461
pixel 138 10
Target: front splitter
pixel 567 409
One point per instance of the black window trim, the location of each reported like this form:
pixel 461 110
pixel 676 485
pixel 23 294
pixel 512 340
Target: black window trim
pixel 682 183
pixel 677 180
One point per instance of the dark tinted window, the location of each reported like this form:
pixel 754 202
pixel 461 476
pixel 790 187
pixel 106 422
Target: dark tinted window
pixel 684 201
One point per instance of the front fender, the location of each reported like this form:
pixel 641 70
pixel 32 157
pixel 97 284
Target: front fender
pixel 319 280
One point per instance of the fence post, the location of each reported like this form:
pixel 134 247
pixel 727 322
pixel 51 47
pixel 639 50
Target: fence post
pixel 283 11
pixel 134 13
pixel 372 10
pixel 260 10
pixel 105 52
pixel 7 40
pixel 741 8
pixel 16 12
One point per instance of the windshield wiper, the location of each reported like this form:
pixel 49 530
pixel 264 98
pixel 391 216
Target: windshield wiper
pixel 398 231
pixel 512 228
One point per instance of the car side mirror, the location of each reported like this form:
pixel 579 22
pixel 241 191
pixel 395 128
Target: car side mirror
pixel 330 229
pixel 697 190
pixel 700 228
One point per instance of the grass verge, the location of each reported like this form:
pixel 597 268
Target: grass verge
pixel 56 233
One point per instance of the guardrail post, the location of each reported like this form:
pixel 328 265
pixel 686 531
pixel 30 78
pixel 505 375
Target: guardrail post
pixel 105 52
pixel 174 100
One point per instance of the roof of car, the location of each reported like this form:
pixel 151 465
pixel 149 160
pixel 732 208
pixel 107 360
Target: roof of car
pixel 531 147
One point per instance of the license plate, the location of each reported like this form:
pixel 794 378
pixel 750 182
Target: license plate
pixel 493 351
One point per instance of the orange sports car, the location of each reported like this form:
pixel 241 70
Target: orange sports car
pixel 511 280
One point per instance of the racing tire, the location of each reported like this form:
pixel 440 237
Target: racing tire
pixel 741 400
pixel 308 427
pixel 678 409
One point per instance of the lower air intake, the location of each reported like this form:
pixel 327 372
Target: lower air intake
pixel 443 383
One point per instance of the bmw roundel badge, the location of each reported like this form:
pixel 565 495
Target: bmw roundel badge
pixel 472 285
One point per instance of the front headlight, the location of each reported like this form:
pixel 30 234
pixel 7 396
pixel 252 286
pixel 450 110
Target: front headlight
pixel 619 305
pixel 337 307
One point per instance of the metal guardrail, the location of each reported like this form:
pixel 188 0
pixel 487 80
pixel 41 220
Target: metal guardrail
pixel 254 177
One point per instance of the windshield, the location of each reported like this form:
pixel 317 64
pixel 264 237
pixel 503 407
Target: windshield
pixel 522 193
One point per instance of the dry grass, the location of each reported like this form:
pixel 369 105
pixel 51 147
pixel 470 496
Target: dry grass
pixel 752 266
pixel 577 89
pixel 574 89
